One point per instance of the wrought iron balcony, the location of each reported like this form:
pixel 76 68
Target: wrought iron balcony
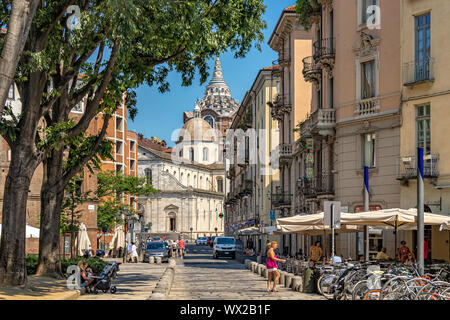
pixel 416 72
pixel 321 185
pixel 281 199
pixel 407 167
pixel 311 72
pixel 284 57
pixel 324 53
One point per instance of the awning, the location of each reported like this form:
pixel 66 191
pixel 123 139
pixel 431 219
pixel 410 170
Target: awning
pixel 30 232
pixel 248 231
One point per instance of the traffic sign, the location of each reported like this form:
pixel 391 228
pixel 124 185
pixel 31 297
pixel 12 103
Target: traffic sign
pixel 272 215
pixel 221 215
pixel 336 206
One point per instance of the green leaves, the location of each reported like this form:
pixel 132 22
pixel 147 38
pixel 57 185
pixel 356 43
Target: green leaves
pixel 305 9
pixel 111 188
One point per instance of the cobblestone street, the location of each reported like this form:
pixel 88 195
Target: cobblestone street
pixel 199 276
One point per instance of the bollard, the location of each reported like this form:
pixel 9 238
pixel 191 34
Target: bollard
pixel 253 266
pixel 260 269
pixel 288 280
pixel 282 277
pixel 158 260
pixel 151 260
pixel 297 284
pixel 265 272
pixel 247 263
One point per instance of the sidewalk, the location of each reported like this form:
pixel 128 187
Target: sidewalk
pixel 40 288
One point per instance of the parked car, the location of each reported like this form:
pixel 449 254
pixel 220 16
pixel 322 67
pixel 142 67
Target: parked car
pixel 156 239
pixel 211 244
pixel 224 247
pixel 157 249
pixel 201 241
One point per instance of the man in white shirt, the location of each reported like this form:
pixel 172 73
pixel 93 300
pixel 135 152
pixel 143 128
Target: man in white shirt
pixel 134 253
pixel 129 251
pixel 336 259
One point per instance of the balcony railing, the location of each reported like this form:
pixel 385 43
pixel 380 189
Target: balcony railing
pixel 323 118
pixel 281 199
pixel 311 72
pixel 418 71
pixel 322 184
pixel 324 48
pixel 285 150
pixel 367 107
pixel 284 57
pixel 309 66
pixel 407 167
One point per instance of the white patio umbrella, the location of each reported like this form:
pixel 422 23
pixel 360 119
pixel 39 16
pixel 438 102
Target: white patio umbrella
pixel 118 239
pixel 248 231
pixel 30 232
pixel 313 230
pixel 83 243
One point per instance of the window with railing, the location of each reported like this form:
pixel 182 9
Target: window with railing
pixel 422 47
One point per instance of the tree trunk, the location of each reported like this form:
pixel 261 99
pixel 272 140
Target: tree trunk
pixel 52 195
pixel 12 247
pixel 22 13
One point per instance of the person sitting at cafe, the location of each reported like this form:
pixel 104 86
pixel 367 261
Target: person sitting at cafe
pixel 315 252
pixel 336 259
pixel 403 252
pixel 382 255
pixel 410 259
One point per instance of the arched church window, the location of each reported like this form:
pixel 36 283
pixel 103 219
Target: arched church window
pixel 210 120
pixel 181 153
pixel 205 154
pixel 191 154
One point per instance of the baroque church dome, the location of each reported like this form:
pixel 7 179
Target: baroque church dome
pixel 218 95
pixel 197 129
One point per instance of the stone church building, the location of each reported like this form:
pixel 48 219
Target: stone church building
pixel 191 178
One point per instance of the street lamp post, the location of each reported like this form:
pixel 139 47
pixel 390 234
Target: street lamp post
pixel 191 233
pixel 126 213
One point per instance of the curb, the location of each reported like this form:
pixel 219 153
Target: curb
pixel 164 284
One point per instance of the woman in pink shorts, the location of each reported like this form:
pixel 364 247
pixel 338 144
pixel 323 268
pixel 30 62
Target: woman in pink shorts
pixel 272 267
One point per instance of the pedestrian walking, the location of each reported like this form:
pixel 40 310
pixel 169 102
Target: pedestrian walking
pixel 182 247
pixel 174 248
pixel 134 253
pixel 129 251
pixel 272 266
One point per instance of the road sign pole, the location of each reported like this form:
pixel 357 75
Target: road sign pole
pixel 366 209
pixel 332 231
pixel 420 211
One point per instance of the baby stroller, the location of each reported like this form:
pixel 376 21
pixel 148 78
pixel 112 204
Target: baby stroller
pixel 103 280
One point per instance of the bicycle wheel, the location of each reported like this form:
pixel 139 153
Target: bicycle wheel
pixel 327 284
pixel 392 288
pixel 359 290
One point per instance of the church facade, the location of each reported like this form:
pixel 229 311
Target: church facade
pixel 191 178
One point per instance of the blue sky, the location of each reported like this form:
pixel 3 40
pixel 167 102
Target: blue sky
pixel 159 114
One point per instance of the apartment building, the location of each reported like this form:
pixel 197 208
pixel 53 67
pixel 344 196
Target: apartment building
pixel 125 157
pixel 254 180
pixel 425 92
pixel 290 107
pixel 355 114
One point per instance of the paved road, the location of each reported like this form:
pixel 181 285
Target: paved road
pixel 199 276
pixel 136 281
